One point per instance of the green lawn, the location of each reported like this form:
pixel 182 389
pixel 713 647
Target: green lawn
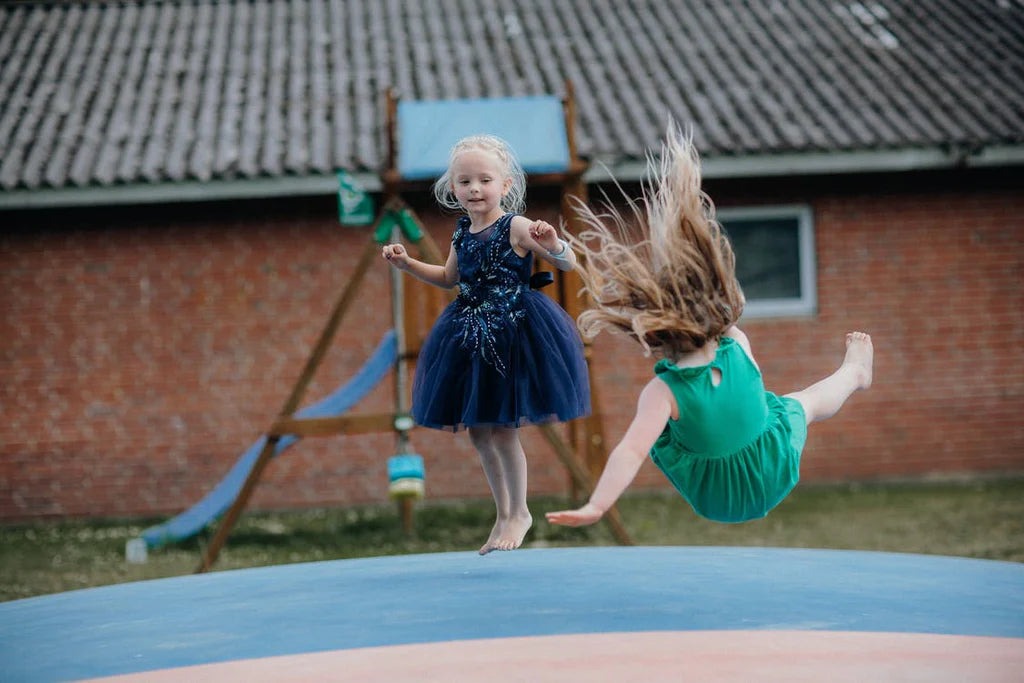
pixel 983 519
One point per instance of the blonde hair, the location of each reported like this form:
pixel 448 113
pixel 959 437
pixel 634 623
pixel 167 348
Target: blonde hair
pixel 514 200
pixel 674 289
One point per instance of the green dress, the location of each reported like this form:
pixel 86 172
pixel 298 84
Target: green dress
pixel 734 452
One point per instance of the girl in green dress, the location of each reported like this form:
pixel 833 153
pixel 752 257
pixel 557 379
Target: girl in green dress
pixel 730 447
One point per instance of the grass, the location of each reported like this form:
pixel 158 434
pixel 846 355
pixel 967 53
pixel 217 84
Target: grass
pixel 983 519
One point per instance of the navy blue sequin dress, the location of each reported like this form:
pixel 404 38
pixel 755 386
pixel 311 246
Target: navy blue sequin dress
pixel 501 353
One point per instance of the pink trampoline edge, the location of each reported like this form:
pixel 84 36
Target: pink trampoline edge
pixel 652 656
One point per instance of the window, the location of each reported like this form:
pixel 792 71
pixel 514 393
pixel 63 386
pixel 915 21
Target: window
pixel 774 259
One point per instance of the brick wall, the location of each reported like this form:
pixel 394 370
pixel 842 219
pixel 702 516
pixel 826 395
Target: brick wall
pixel 142 350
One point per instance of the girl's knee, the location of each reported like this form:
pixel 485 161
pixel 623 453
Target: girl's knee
pixel 482 437
pixel 505 437
pixel 806 403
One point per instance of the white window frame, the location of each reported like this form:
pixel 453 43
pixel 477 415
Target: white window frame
pixel 807 304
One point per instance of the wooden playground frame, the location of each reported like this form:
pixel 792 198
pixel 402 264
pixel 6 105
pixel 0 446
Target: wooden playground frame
pixel 584 455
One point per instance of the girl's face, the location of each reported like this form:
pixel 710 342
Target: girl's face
pixel 479 183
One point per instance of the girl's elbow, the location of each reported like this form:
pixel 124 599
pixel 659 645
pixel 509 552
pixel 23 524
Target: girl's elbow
pixel 629 450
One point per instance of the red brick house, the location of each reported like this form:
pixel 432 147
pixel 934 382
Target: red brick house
pixel 171 247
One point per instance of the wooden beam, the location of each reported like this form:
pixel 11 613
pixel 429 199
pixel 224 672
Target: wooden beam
pixel 226 524
pixel 582 479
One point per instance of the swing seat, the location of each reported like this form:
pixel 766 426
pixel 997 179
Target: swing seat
pixel 406 476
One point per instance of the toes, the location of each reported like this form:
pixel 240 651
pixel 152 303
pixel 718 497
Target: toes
pixel 505 545
pixel 857 336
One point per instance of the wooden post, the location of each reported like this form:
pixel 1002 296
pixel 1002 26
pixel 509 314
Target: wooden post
pixel 398 315
pixel 290 405
pixel 389 176
pixel 399 306
pixel 584 483
pixel 587 435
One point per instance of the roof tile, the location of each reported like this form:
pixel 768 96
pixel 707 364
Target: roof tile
pixel 100 93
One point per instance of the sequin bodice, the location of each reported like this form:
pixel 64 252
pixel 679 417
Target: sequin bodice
pixel 493 280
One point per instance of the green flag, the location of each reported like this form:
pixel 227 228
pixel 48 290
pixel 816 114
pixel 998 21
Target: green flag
pixel 410 228
pixel 355 207
pixel 386 225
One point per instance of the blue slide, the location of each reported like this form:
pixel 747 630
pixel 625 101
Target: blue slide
pixel 216 502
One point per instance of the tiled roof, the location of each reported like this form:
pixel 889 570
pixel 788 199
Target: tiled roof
pixel 107 93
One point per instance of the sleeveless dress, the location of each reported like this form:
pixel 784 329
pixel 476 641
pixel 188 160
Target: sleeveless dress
pixel 500 354
pixel 734 452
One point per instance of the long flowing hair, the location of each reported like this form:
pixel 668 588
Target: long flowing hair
pixel 673 288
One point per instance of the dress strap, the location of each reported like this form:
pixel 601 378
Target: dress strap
pixel 505 222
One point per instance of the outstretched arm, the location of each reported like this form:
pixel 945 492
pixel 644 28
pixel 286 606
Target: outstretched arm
pixel 542 239
pixel 652 412
pixel 446 276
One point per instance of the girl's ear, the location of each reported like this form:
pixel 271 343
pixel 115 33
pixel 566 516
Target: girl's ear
pixel 506 186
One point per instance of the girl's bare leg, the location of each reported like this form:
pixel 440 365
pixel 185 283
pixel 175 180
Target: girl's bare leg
pixel 484 442
pixel 824 399
pixel 513 463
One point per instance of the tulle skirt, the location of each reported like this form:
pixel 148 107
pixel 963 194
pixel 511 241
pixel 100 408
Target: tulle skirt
pixel 530 372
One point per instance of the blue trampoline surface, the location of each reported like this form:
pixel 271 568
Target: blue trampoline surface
pixel 302 608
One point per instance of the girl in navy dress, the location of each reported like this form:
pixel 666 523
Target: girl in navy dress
pixel 501 355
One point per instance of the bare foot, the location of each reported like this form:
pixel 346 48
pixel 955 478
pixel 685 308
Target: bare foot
pixel 493 538
pixel 514 532
pixel 860 355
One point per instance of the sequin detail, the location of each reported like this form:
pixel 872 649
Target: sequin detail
pixel 490 290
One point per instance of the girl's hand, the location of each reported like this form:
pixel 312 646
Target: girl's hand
pixel 545 235
pixel 396 255
pixel 588 514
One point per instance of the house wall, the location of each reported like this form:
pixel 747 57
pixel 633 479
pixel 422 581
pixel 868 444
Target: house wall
pixel 143 349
